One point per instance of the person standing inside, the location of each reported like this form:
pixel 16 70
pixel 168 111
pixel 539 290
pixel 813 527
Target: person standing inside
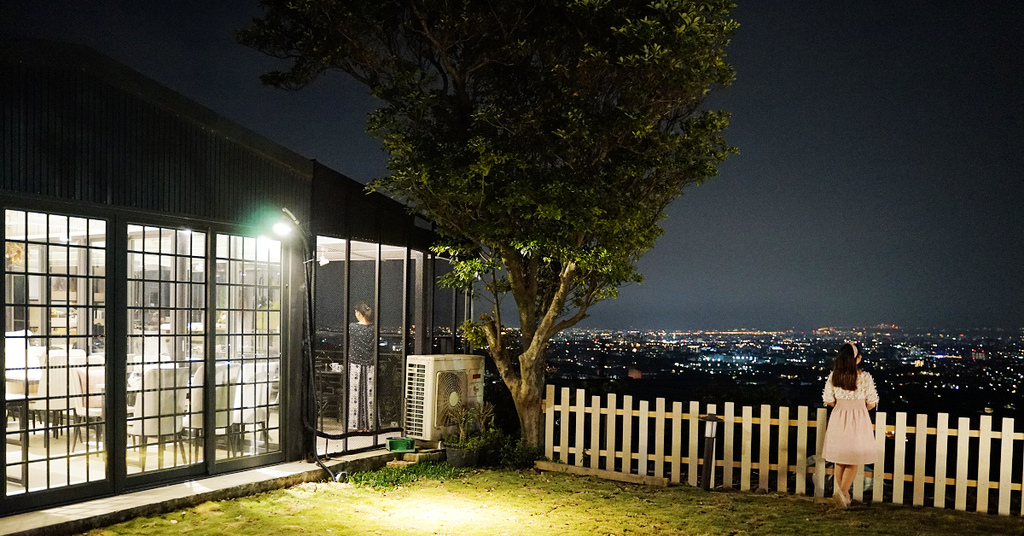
pixel 850 436
pixel 361 368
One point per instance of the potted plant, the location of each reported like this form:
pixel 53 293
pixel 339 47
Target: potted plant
pixel 472 427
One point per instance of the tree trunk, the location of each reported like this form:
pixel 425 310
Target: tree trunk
pixel 529 397
pixel 531 420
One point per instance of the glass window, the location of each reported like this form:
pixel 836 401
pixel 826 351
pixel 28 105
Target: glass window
pixel 362 337
pixel 332 317
pixel 416 338
pixel 54 350
pixel 391 320
pixel 248 353
pixel 443 339
pixel 165 346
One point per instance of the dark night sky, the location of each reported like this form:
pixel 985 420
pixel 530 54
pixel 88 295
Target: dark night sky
pixel 879 180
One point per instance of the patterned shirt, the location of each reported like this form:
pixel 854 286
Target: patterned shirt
pixel 865 390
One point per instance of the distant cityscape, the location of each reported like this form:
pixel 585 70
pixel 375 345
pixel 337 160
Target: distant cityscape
pixel 962 373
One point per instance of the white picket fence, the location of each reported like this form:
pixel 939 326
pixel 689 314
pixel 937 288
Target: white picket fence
pixel 923 462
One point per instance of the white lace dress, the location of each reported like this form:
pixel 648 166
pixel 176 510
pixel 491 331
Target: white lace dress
pixel 850 436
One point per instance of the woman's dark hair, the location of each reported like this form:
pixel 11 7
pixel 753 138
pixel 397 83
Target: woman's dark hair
pixel 844 367
pixel 365 310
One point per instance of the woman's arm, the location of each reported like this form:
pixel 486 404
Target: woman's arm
pixel 828 395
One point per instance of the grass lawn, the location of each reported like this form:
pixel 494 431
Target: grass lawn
pixel 500 502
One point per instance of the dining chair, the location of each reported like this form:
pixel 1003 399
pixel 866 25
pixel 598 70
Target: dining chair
pixel 51 402
pixel 251 408
pixel 157 411
pixel 87 405
pixel 225 387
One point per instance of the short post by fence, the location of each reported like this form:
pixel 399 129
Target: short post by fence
pixel 710 432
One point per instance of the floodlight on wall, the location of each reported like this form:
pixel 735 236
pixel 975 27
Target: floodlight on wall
pixel 282 229
pixel 290 215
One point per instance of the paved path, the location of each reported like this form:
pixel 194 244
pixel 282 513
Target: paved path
pixel 81 517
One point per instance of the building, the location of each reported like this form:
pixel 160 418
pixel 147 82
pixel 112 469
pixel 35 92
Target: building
pixel 155 325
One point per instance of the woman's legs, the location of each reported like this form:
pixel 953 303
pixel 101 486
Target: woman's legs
pixel 844 477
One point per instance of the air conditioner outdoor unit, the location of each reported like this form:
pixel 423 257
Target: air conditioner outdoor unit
pixel 434 386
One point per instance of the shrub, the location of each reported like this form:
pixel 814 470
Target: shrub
pixel 516 454
pixel 474 427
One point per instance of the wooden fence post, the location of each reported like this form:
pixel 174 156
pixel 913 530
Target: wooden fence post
pixel 728 442
pixel 984 467
pixel 692 448
pixel 941 458
pixel 782 483
pixel 563 418
pixel 611 441
pixel 899 460
pixel 963 436
pixel 801 450
pixel 579 411
pixel 764 456
pixel 643 449
pixel 627 434
pixel 659 437
pixel 821 423
pixel 878 485
pixel 920 458
pixel 747 430
pixel 1006 466
pixel 595 431
pixel 677 442
pixel 549 422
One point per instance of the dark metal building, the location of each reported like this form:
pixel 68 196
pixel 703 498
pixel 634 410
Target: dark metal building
pixel 155 326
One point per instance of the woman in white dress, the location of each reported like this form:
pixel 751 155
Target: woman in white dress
pixel 850 436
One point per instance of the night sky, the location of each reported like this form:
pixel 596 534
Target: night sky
pixel 879 178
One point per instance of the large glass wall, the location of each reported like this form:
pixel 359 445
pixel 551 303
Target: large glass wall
pixel 54 350
pixel 198 354
pixel 368 302
pixel 57 384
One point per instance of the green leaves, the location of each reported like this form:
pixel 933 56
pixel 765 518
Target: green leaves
pixel 545 138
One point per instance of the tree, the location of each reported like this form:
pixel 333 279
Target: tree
pixel 544 138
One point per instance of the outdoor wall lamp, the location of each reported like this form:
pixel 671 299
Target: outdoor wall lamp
pixel 710 432
pixel 283 228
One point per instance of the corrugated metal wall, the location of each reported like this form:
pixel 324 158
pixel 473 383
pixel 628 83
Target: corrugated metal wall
pixel 101 133
pixel 341 207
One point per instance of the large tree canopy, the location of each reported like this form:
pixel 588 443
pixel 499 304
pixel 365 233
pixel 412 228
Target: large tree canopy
pixel 544 138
